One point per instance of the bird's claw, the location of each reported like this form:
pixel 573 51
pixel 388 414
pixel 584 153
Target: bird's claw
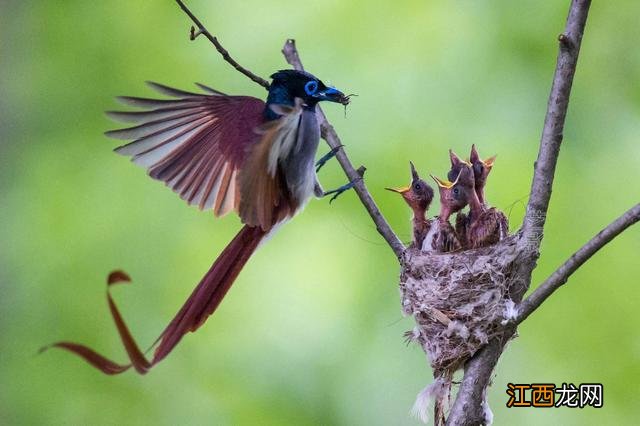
pixel 328 156
pixel 336 192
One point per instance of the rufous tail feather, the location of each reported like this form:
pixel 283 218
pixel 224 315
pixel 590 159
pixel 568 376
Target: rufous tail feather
pixel 199 306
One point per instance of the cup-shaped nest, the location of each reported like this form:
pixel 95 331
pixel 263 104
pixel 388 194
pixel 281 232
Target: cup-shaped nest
pixel 459 300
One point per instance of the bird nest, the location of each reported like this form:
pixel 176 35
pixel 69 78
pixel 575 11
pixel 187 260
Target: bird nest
pixel 459 300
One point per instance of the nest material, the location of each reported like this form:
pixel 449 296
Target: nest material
pixel 459 300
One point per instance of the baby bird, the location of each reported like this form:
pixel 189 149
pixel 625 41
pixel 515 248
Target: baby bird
pixel 418 195
pixel 481 169
pixel 483 226
pixel 441 237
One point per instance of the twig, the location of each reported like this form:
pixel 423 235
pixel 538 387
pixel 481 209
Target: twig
pixel 561 275
pixel 545 165
pixel 225 54
pixel 329 134
pixel 467 408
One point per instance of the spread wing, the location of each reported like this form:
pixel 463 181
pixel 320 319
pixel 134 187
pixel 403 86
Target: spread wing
pixel 195 143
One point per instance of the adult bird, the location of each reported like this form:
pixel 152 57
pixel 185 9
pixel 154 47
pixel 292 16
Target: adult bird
pixel 223 153
pixel 418 195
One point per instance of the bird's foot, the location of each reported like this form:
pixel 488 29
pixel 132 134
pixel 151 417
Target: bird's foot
pixel 338 191
pixel 328 156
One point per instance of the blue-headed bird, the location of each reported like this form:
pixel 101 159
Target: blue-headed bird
pixel 222 153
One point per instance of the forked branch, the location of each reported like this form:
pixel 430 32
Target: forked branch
pixel 214 40
pixel 468 406
pixel 328 133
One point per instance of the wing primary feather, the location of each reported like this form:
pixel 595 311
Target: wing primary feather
pixel 171 91
pixel 147 116
pixel 194 142
pixel 155 103
pixel 181 157
pixel 149 143
pixel 154 127
pixel 210 90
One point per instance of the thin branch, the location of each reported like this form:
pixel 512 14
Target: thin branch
pixel 545 166
pixel 329 134
pixel 225 54
pixel 562 274
pixel 468 406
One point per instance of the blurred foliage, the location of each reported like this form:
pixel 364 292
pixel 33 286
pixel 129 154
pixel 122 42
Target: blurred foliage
pixel 312 331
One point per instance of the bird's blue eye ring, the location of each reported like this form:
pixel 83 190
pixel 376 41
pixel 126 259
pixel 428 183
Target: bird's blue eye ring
pixel 311 87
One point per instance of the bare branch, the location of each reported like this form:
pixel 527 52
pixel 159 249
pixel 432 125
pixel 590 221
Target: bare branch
pixel 225 54
pixel 467 408
pixel 551 139
pixel 562 274
pixel 329 134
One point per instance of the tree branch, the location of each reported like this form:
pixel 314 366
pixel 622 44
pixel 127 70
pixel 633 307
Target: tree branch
pixel 225 54
pixel 468 406
pixel 562 274
pixel 545 165
pixel 329 134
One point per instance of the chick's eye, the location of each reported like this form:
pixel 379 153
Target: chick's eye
pixel 311 87
pixel 417 187
pixel 456 191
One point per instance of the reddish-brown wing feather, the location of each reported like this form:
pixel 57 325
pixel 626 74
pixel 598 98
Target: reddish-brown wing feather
pixel 195 143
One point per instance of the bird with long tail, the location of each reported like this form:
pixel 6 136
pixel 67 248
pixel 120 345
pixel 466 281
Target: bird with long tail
pixel 222 153
pixel 418 195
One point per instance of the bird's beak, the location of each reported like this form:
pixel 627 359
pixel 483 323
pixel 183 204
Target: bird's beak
pixel 401 190
pixel 489 162
pixel 332 94
pixel 444 183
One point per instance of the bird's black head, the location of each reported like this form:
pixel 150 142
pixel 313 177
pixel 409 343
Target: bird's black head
pixel 290 84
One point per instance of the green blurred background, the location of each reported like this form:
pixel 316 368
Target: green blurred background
pixel 312 332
